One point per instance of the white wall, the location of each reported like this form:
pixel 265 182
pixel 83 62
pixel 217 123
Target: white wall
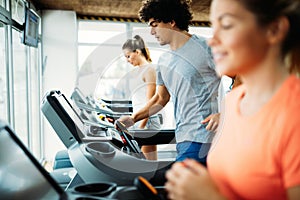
pixel 59 30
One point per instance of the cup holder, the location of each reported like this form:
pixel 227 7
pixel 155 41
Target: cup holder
pixel 96 189
pixel 100 148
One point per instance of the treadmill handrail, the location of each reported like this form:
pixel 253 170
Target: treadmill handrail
pixel 154 137
pixel 128 102
pixel 99 110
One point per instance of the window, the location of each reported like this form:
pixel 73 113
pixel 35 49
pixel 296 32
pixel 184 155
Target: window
pixel 99 51
pixel 26 93
pixel 3 73
pixel 20 83
pixel 93 34
pixel 18 10
pixel 202 31
pixel 19 78
pixel 2 3
pixel 34 88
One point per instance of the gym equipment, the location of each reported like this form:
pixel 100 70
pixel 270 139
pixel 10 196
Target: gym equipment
pixel 23 177
pixel 105 156
pixel 105 110
pixel 112 108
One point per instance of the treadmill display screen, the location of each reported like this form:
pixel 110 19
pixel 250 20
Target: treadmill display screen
pixel 79 124
pixel 20 177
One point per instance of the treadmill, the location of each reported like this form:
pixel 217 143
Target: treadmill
pixel 97 150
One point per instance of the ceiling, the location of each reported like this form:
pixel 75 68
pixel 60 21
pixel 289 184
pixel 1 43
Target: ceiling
pixel 113 8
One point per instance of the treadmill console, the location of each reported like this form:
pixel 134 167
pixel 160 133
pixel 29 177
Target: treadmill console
pixel 128 140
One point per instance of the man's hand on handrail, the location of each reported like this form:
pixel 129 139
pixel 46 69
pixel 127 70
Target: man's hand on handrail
pixel 127 120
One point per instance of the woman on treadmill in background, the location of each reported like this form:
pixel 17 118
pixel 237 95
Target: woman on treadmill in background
pixel 255 153
pixel 142 84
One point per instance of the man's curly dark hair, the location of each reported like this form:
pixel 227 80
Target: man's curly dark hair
pixel 167 11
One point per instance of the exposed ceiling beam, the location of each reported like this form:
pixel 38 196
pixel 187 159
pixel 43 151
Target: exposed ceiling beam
pixel 114 8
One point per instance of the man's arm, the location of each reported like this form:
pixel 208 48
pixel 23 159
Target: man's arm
pixel 155 104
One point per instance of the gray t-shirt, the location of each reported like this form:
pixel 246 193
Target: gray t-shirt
pixel 189 75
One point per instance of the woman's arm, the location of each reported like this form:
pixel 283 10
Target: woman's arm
pixel 189 180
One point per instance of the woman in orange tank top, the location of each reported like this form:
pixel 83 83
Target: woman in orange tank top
pixel 255 153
